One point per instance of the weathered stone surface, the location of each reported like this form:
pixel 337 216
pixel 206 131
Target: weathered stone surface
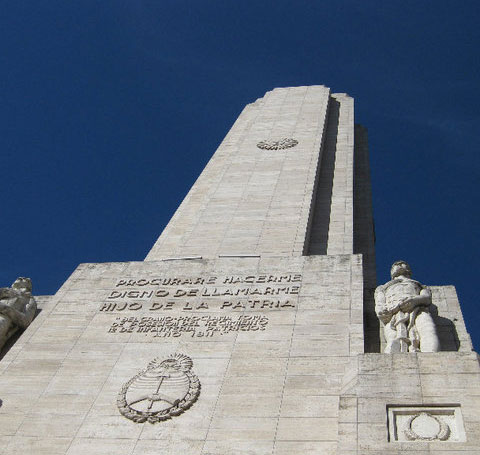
pixel 264 279
pixel 403 305
pixel 17 308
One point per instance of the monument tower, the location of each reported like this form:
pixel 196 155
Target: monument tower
pixel 254 325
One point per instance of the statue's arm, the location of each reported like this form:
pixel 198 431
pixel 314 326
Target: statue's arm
pixel 5 293
pixel 19 318
pixel 381 307
pixel 424 298
pixel 30 311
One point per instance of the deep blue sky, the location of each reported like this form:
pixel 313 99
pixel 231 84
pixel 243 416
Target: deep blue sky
pixel 110 109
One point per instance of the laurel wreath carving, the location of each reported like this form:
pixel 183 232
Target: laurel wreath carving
pixel 442 435
pixel 284 143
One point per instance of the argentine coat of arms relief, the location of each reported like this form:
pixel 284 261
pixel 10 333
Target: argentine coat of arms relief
pixel 165 388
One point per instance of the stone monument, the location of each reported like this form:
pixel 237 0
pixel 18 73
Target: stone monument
pixel 17 308
pixel 254 325
pixel 402 305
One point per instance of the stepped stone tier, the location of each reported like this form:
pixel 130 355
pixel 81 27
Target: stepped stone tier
pixel 254 325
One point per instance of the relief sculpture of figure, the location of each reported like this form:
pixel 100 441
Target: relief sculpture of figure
pixel 17 308
pixel 402 305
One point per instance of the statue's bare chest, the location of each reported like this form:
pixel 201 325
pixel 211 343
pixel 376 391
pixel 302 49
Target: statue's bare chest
pixel 402 288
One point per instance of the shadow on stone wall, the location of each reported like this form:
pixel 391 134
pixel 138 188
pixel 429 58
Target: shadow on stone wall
pixel 446 331
pixel 318 238
pixel 372 342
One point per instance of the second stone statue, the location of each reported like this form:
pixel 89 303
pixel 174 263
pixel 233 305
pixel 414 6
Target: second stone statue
pixel 403 305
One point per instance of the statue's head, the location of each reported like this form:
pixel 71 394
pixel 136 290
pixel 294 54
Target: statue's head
pixel 400 268
pixel 22 283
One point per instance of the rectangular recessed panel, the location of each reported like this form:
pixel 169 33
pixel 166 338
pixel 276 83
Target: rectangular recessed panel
pixel 425 423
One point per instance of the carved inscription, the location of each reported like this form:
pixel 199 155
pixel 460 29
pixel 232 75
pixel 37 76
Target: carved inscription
pixel 229 292
pixel 110 307
pixel 206 292
pixel 212 280
pixel 193 326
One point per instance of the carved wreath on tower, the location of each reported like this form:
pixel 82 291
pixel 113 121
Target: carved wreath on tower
pixel 164 389
pixel 426 427
pixel 284 143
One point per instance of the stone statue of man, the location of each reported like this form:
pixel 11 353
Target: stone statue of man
pixel 17 308
pixel 402 305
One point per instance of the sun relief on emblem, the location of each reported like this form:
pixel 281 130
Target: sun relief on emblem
pixel 164 389
pixel 284 143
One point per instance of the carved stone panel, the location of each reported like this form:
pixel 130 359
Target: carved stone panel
pixel 164 389
pixel 281 144
pixel 425 423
